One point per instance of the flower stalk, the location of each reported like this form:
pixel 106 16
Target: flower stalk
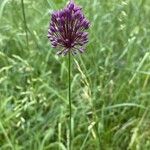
pixel 69 98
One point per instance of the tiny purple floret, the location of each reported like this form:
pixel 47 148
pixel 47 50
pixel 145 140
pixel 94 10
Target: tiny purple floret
pixel 67 30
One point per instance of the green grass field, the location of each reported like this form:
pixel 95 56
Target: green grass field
pixel 110 81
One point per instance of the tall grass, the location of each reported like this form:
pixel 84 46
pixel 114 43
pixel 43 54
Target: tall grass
pixel 110 81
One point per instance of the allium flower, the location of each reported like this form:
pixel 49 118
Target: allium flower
pixel 66 30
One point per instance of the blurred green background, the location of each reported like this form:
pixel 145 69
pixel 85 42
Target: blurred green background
pixel 110 81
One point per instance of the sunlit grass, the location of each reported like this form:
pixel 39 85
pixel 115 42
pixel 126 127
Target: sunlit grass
pixel 110 81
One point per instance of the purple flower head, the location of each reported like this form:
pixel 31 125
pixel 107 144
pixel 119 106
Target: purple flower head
pixel 67 30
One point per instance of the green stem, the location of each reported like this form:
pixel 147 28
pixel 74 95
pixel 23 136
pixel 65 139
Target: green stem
pixel 69 97
pixel 25 22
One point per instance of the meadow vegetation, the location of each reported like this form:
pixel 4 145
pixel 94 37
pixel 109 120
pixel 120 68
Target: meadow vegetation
pixel 110 81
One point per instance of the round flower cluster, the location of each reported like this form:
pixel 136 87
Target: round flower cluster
pixel 67 30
